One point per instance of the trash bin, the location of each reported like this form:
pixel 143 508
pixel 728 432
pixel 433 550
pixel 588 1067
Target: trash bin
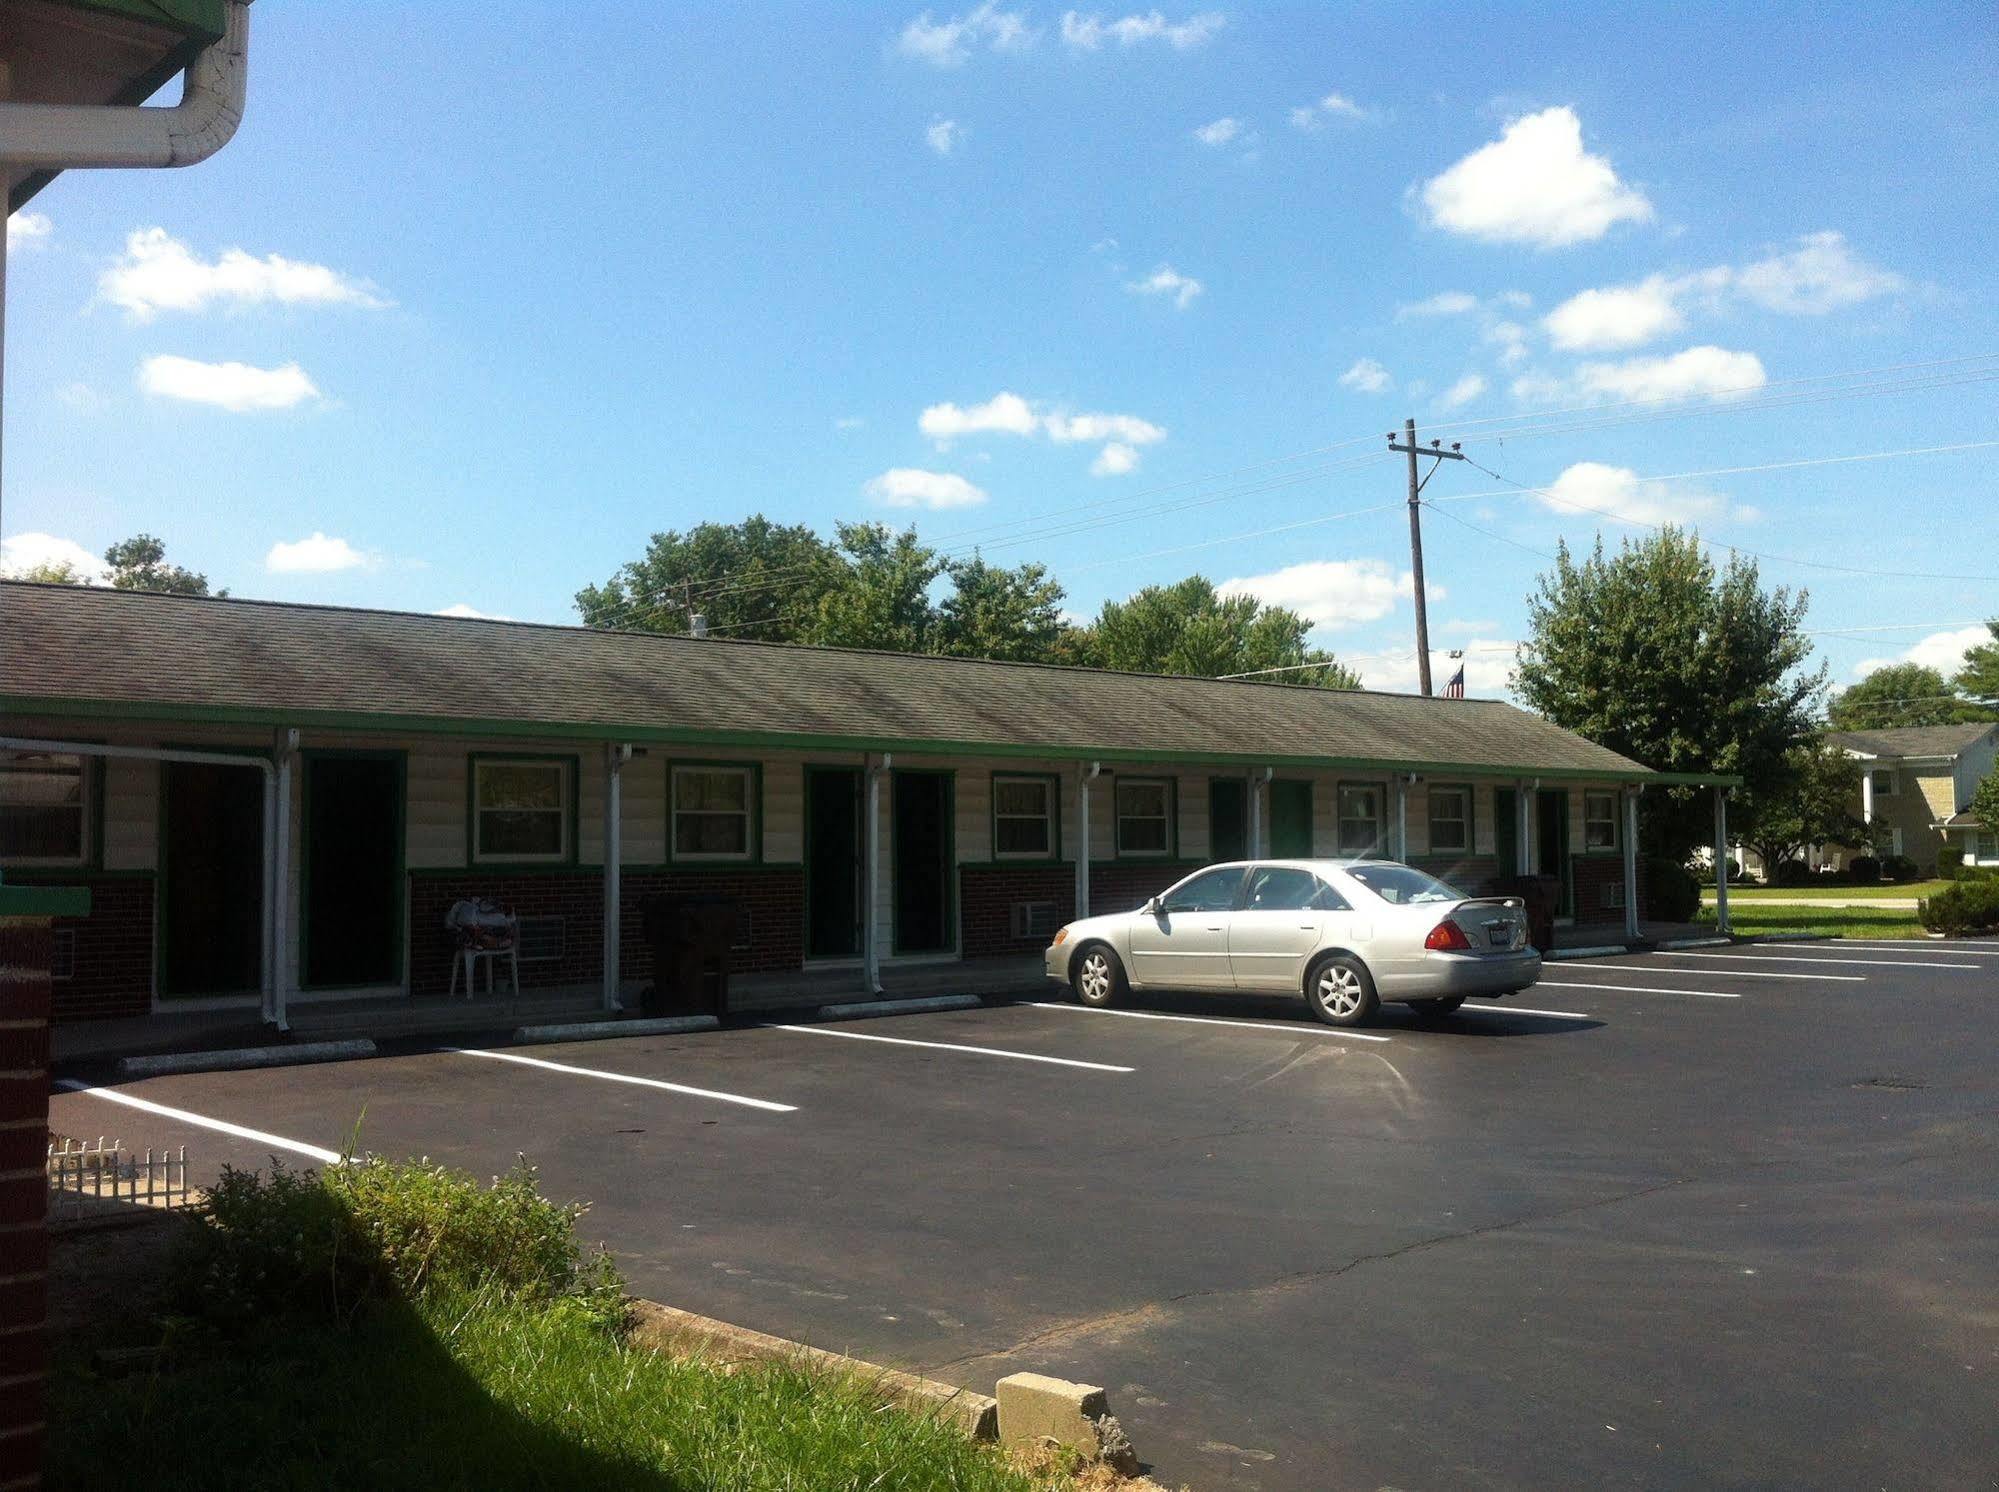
pixel 1543 896
pixel 690 936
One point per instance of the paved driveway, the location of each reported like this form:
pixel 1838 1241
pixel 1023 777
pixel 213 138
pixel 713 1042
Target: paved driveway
pixel 1717 1218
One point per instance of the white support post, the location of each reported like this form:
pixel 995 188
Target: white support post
pixel 1252 803
pixel 1523 854
pixel 284 747
pixel 615 757
pixel 1084 777
pixel 871 961
pixel 1402 817
pixel 1867 803
pixel 1631 862
pixel 1721 860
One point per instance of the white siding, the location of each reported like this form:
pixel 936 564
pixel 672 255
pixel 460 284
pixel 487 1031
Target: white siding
pixel 130 806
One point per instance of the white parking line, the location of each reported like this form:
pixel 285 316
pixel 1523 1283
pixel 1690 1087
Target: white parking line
pixel 1733 973
pixel 1294 1027
pixel 220 1126
pixel 1912 946
pixel 621 1077
pixel 1800 958
pixel 1640 989
pixel 952 1046
pixel 1560 1015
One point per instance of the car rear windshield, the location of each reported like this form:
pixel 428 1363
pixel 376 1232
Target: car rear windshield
pixel 1403 885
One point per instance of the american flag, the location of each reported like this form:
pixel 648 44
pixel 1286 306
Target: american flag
pixel 1456 688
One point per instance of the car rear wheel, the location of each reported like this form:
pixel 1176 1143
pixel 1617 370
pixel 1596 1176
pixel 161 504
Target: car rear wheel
pixel 1097 977
pixel 1341 991
pixel 1436 1010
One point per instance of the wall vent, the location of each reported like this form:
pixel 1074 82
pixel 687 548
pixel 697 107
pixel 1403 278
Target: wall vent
pixel 62 956
pixel 541 939
pixel 1610 894
pixel 1033 919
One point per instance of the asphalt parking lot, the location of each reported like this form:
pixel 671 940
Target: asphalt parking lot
pixel 1720 1217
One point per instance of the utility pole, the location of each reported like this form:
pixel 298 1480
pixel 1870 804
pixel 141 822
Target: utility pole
pixel 1436 449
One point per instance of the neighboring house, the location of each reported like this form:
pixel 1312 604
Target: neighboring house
pixel 1916 785
pixel 864 807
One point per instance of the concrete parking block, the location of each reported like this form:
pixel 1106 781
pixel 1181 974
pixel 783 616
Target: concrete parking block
pixel 1035 1409
pixel 665 1025
pixel 856 1009
pixel 240 1058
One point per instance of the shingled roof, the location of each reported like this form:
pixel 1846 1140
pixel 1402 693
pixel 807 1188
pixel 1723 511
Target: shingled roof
pixel 1910 740
pixel 74 650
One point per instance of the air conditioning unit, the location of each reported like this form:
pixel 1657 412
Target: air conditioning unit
pixel 1034 920
pixel 62 955
pixel 1610 895
pixel 540 940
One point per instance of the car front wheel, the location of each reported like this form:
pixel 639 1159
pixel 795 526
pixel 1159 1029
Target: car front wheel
pixel 1341 992
pixel 1097 976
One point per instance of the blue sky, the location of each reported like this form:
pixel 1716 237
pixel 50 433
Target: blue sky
pixel 549 278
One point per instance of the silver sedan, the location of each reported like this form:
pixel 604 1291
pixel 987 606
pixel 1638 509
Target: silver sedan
pixel 1345 934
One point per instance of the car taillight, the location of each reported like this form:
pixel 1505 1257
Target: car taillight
pixel 1447 937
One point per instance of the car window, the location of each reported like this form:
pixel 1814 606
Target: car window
pixel 1211 891
pixel 1403 885
pixel 1285 888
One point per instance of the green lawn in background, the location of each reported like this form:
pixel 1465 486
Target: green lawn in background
pixel 1827 893
pixel 1748 919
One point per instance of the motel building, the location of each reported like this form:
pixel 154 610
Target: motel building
pixel 274 807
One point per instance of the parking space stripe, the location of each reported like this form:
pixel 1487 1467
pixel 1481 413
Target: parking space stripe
pixel 1641 989
pixel 201 1121
pixel 625 1077
pixel 1912 946
pixel 1799 958
pixel 1733 973
pixel 952 1046
pixel 1294 1027
pixel 1559 1015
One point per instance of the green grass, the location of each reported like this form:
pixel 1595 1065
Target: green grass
pixel 477 1392
pixel 1748 919
pixel 1910 890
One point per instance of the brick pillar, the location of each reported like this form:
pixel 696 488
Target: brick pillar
pixel 25 947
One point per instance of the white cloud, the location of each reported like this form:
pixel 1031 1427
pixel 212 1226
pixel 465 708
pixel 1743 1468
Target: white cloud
pixel 316 554
pixel 1510 337
pixel 1004 413
pixel 1114 460
pixel 1535 185
pixel 1219 132
pixel 1088 33
pixel 1620 492
pixel 1711 371
pixel 1619 317
pixel 849 422
pixel 1166 280
pixel 1332 106
pixel 26 230
pixel 160 273
pixel 1943 651
pixel 1820 275
pixel 1368 377
pixel 948 43
pixel 460 609
pixel 944 135
pixel 1069 429
pixel 1463 391
pixel 20 553
pixel 81 397
pixel 1329 593
pixel 1443 303
pixel 910 487
pixel 1487 662
pixel 238 387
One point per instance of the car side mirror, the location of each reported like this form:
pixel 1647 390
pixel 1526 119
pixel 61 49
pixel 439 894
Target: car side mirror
pixel 1153 906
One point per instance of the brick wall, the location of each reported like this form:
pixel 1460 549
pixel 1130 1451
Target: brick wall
pixel 1477 874
pixel 113 960
pixel 1125 885
pixel 1595 875
pixel 774 901
pixel 24 1119
pixel 987 893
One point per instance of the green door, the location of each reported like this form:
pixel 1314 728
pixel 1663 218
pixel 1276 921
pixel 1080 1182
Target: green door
pixel 1228 825
pixel 1290 820
pixel 1506 831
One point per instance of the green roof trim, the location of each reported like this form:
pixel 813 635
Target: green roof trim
pixel 44 901
pixel 199 20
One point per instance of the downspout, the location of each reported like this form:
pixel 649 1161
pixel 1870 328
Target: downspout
pixel 1402 781
pixel 871 957
pixel 1631 862
pixel 283 747
pixel 615 757
pixel 68 137
pixel 1084 777
pixel 1259 779
pixel 1721 860
pixel 1522 854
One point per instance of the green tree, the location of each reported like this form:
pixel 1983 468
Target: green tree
pixel 754 579
pixel 1979 678
pixel 1189 628
pixel 53 572
pixel 1901 694
pixel 1810 803
pixel 140 564
pixel 994 612
pixel 883 601
pixel 1652 653
pixel 1985 802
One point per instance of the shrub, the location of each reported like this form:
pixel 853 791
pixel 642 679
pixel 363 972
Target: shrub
pixel 327 1243
pixel 1671 892
pixel 1949 862
pixel 1864 870
pixel 1901 869
pixel 1791 873
pixel 1967 907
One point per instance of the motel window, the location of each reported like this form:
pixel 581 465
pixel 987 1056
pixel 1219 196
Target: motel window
pixel 1599 821
pixel 520 809
pixel 714 812
pixel 1450 819
pixel 1360 818
pixel 1024 818
pixel 44 809
pixel 1144 817
pixel 1884 781
pixel 1985 849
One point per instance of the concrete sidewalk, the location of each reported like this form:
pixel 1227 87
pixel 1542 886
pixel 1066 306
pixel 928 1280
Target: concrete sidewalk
pixel 1885 903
